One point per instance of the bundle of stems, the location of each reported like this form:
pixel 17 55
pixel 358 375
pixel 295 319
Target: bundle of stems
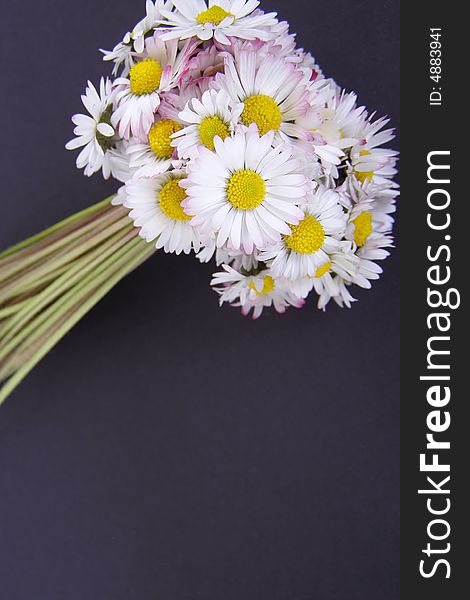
pixel 51 280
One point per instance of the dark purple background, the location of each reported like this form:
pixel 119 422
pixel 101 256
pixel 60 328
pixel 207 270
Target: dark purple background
pixel 169 449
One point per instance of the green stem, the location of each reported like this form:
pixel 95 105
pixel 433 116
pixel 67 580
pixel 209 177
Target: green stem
pixel 102 290
pixel 76 249
pixel 86 231
pixel 73 273
pixel 26 336
pixel 51 280
pixel 60 226
pixel 13 309
pixel 32 287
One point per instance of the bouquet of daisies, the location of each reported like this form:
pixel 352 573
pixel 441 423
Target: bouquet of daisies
pixel 229 143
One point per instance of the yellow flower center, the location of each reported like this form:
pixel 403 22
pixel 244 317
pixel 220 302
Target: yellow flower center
pixel 362 228
pixel 323 270
pixel 268 286
pixel 263 111
pixel 145 77
pixel 246 189
pixel 170 197
pixel 210 127
pixel 215 15
pixel 160 137
pixel 364 176
pixel 307 237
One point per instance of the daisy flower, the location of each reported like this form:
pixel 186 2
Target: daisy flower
pixel 139 96
pixel 307 61
pixel 342 262
pixel 345 270
pixel 273 92
pixel 253 291
pixel 333 279
pixel 369 162
pixel 205 119
pixel 283 43
pixel 133 43
pixel 321 138
pixel 157 155
pixel 368 225
pixel 156 208
pixel 368 230
pixel 236 259
pixel 240 260
pixel 205 64
pixel 117 162
pixel 172 103
pixel 94 132
pixel 246 191
pixel 370 241
pixel 218 19
pixel 341 295
pixel 337 121
pixel 231 143
pixel 369 196
pixel 280 44
pixel 308 245
pixel 340 266
pixel 122 55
